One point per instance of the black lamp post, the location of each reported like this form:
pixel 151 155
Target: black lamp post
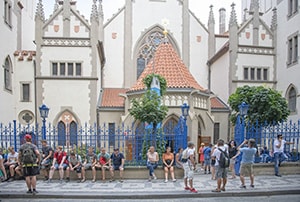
pixel 44 110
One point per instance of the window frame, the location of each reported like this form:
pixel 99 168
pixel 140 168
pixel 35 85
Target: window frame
pixel 8 13
pixel 7 77
pixel 22 92
pixel 250 73
pixel 63 68
pixel 292 49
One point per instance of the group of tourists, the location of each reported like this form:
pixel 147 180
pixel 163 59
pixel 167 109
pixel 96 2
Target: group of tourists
pixel 214 160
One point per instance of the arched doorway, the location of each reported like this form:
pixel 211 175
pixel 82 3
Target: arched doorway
pixel 67 130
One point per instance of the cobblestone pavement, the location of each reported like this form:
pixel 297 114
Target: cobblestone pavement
pixel 264 186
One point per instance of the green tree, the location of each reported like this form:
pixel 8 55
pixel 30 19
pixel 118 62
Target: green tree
pixel 149 109
pixel 265 104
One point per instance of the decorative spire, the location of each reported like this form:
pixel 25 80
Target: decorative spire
pixel 211 18
pixel 40 11
pixel 56 6
pixel 165 22
pixel 233 20
pixel 101 14
pixel 254 7
pixel 94 14
pixel 274 19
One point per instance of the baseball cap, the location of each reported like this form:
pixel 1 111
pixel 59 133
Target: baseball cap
pixel 27 136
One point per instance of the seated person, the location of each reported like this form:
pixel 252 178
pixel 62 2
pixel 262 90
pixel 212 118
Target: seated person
pixel 103 161
pixel 178 156
pixel 117 160
pixel 89 163
pixel 11 163
pixel 2 168
pixel 168 160
pixel 47 157
pixel 74 165
pixel 152 162
pixel 60 162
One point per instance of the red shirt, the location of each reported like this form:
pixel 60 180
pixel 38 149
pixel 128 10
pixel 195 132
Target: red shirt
pixel 59 157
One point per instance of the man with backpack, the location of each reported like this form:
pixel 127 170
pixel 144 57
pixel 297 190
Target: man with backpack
pixel 29 157
pixel 220 154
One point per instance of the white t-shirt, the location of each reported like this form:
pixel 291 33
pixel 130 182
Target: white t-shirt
pixel 12 158
pixel 217 153
pixel 276 143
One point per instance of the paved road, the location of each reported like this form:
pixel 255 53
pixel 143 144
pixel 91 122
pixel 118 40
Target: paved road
pixel 268 185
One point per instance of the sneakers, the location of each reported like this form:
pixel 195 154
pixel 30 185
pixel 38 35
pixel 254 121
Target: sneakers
pixel 83 180
pixel 243 186
pixel 67 179
pixel 49 180
pixel 29 191
pixel 166 181
pixel 187 188
pixel 251 185
pixel 174 180
pixel 278 175
pixel 154 177
pixel 193 190
pixel 34 192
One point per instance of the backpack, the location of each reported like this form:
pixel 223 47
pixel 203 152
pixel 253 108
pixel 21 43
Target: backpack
pixel 28 155
pixel 224 160
pixel 184 156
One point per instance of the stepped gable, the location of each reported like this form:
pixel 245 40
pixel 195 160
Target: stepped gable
pixel 111 97
pixel 168 64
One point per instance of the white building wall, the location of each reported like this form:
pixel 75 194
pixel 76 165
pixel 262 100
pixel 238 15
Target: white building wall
pixel 113 74
pixel 220 42
pixel 220 77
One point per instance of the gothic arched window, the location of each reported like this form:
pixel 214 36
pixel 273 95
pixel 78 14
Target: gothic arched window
pixel 7 74
pixel 292 99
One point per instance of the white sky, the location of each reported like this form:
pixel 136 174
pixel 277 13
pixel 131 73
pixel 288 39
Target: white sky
pixel 199 7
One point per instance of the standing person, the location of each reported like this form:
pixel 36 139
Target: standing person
pixel 207 158
pixel 2 168
pixel 47 156
pixel 89 163
pixel 213 163
pixel 11 163
pixel 201 155
pixel 247 161
pixel 232 149
pixel 117 161
pixel 189 165
pixel 30 158
pixel 178 157
pixel 74 165
pixel 103 161
pixel 221 173
pixel 278 153
pixel 168 160
pixel 152 162
pixel 60 163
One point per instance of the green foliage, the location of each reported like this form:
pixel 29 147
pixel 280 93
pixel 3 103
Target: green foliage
pixel 265 104
pixel 148 109
pixel 163 83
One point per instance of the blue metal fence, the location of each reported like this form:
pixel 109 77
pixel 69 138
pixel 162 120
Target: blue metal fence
pixel 132 141
pixel 265 134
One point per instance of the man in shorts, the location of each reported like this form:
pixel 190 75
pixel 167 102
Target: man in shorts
pixel 89 163
pixel 117 160
pixel 47 156
pixel 189 166
pixel 74 165
pixel 103 161
pixel 60 162
pixel 247 161
pixel 30 170
pixel 12 163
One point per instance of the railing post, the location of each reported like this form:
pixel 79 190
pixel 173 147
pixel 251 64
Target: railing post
pixel 15 134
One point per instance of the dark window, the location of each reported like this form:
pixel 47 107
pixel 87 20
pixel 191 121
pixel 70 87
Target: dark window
pixel 62 69
pixel 292 100
pixel 70 69
pixel 265 74
pixel 290 51
pixel 246 76
pixel 7 74
pixel 252 74
pixel 25 92
pixel 140 66
pixel 258 74
pixel 7 13
pixel 295 56
pixel 54 69
pixel 111 134
pixel 78 69
pixel 216 132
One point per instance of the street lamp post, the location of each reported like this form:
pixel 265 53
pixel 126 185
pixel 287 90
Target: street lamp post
pixel 44 110
pixel 240 131
pixel 185 112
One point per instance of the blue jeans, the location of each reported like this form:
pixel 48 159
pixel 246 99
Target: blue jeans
pixel 278 158
pixel 151 167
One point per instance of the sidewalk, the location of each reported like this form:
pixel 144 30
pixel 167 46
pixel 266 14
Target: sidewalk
pixel 143 189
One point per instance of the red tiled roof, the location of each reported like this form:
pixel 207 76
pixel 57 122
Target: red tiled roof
pixel 217 103
pixel 168 64
pixel 23 54
pixel 111 97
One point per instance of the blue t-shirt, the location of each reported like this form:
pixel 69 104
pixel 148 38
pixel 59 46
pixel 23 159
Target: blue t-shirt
pixel 248 154
pixel 207 152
